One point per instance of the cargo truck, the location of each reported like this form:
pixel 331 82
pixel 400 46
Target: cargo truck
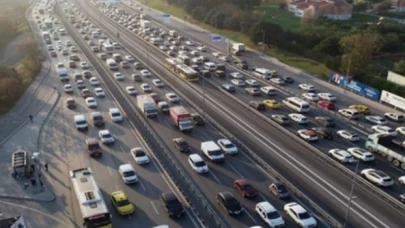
pixel 388 147
pixel 145 24
pixel 238 48
pixel 181 118
pixel 147 105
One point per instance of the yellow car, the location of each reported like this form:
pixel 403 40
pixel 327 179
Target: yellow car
pixel 121 203
pixel 271 104
pixel 360 108
pixel 274 73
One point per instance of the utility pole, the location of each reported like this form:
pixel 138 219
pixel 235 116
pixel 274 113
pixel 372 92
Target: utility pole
pixel 349 204
pixel 264 45
pixel 347 74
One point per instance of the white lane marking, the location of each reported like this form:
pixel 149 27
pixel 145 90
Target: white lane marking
pixel 154 207
pixel 234 169
pixel 203 138
pixel 250 216
pixel 142 186
pixel 110 171
pixel 122 148
pixel 167 123
pixel 215 177
pixel 360 130
pixel 263 197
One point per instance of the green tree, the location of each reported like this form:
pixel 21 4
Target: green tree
pixel 384 6
pixel 391 43
pixel 329 46
pixel 399 67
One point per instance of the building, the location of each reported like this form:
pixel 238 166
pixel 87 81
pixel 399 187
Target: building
pixel 398 5
pixel 313 9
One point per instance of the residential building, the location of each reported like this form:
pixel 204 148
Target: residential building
pixel 332 9
pixel 398 5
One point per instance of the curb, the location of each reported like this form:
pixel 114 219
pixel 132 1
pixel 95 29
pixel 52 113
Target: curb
pixel 30 198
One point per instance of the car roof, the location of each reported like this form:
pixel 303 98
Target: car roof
pixel 126 167
pixel 114 110
pixel 169 196
pixel 242 181
pixel 297 208
pixel 226 195
pixel 119 195
pixel 105 131
pixel 266 206
pixel 195 157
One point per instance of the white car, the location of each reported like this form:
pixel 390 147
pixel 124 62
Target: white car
pixel 68 88
pixel 129 58
pixel 202 48
pixel 400 130
pixel 128 173
pixel 146 73
pixel 115 115
pixel 225 58
pixel 361 154
pixel 217 54
pixel 269 214
pixel 236 75
pixel 68 43
pixel 299 215
pixel 163 48
pixel 146 88
pixel 401 180
pixel 91 102
pixel 310 96
pixel 376 120
pixel 384 129
pixel 238 82
pixel 172 97
pixel 278 81
pixel 158 83
pixel 94 81
pixel 377 177
pixel 341 155
pixel 298 118
pixel 252 83
pixel 308 135
pixel 99 92
pixel 84 65
pixel 194 53
pixel 106 137
pixel 131 90
pixel 227 146
pixel 348 135
pixel 327 96
pixel 119 76
pixel 73 49
pixel 197 163
pixel 189 43
pixel 60 65
pixel 140 156
pixel 394 116
pixel 307 87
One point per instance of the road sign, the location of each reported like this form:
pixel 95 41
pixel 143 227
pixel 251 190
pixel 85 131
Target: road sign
pixel 166 18
pixel 216 38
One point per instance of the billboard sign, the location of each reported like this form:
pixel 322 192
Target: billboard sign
pixel 392 99
pixel 354 86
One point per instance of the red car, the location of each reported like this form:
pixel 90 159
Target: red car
pixel 54 54
pixel 155 97
pixel 326 104
pixel 244 188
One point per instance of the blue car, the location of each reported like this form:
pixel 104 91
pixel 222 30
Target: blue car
pixel 228 87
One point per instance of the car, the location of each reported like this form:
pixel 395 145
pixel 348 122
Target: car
pixel 146 88
pixel 307 87
pixel 361 109
pixel 376 120
pixel 60 65
pixel 95 49
pixel 280 119
pixel 279 190
pixel 308 135
pixel 54 54
pixel 238 82
pixel 217 54
pixel 172 98
pixel 269 214
pixel 197 119
pixel 384 129
pixel 400 130
pixel 119 76
pixel 323 132
pixel 99 92
pixel 310 96
pixel 225 58
pixel 131 90
pixel 64 52
pixel 254 91
pixel 138 65
pixel 94 81
pixel 326 104
pixel 229 88
pixel 227 146
pixel 50 48
pixel 252 83
pixel 273 104
pixel 85 93
pixel 181 145
pixel 128 173
pixel 298 118
pixel 394 116
pixel 87 74
pixel 125 64
pixel 121 203
pixel 245 188
pixel 402 198
pixel 91 102
pixel 68 43
pixel 236 75
pixel 377 177
pixel 73 49
pixel 348 135
pixel 171 53
pixel 278 81
pixel 74 58
pixel 258 105
pixel 129 58
pixel 197 163
pixel 155 97
pixel 68 88
pixel 146 73
pixel 361 154
pixel 202 48
pixel 342 156
pixel 189 43
pixel 115 115
pixel 140 156
pixel 158 83
pixel 401 179
pixel 352 114
pixel 194 53
pixel 288 79
pixel 106 137
pixel 71 103
pixel 173 207
pixel 163 48
pixel 327 96
pixel 72 64
pixel 230 204
pixel 299 215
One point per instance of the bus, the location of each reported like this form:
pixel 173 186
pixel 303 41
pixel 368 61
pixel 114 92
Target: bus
pixel 107 48
pixel 296 104
pixel 262 73
pixel 182 70
pixel 92 206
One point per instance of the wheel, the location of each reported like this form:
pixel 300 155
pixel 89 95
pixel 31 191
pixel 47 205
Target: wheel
pixel 403 165
pixel 384 155
pixel 396 163
pixel 389 158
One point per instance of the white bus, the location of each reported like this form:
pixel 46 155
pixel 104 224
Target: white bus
pixel 112 64
pixel 186 72
pixel 107 48
pixel 262 73
pixel 92 206
pixel 296 104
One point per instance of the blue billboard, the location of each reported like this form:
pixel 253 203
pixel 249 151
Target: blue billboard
pixel 355 86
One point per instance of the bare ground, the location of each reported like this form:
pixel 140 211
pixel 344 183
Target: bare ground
pixel 15 51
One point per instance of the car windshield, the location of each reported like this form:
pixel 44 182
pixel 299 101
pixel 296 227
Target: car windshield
pixel 273 215
pixel 122 203
pixel 304 215
pixel 140 154
pixel 247 187
pixel 129 174
pixel 232 201
pixel 80 122
pixel 116 114
pixel 183 143
pixel 228 145
pixel 107 136
pixel 200 164
pixel 281 189
pixel 97 118
pixel 173 204
pixel 214 153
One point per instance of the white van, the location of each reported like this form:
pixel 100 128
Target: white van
pixel 268 90
pixel 128 174
pixel 210 66
pixel 80 122
pixel 349 113
pixel 212 151
pixel 296 104
pixel 115 115
pixel 112 64
pixel 262 73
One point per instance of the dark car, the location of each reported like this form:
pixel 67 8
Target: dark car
pixel 280 119
pixel 279 190
pixel 228 87
pixel 402 198
pixel 71 103
pixel 325 121
pixel 229 203
pixel 257 105
pixel 87 74
pixel 197 119
pixel 74 58
pixel 181 145
pixel 242 65
pixel 221 67
pixel 205 73
pixel 323 132
pixel 219 73
pixel 171 205
pixel 288 79
pixel 85 93
pixel 245 188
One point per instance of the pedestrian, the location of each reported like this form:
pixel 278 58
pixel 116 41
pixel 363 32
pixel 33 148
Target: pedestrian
pixel 41 184
pixel 32 167
pixel 33 181
pixel 39 175
pixel 46 167
pixel 31 118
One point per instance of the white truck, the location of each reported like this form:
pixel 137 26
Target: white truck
pixel 388 147
pixel 238 48
pixel 147 105
pixel 63 74
pixel 145 24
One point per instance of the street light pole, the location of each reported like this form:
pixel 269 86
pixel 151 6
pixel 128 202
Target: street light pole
pixel 349 204
pixel 263 41
pixel 203 98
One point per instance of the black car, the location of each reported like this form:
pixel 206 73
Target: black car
pixel 197 119
pixel 242 65
pixel 280 119
pixel 323 132
pixel 228 87
pixel 325 121
pixel 402 198
pixel 181 145
pixel 229 203
pixel 219 73
pixel 288 79
pixel 172 205
pixel 221 67
pixel 257 105
pixel 279 190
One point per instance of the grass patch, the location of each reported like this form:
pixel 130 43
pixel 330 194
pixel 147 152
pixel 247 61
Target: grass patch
pixel 307 65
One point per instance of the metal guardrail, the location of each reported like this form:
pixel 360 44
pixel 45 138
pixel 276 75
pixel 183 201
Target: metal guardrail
pixel 155 143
